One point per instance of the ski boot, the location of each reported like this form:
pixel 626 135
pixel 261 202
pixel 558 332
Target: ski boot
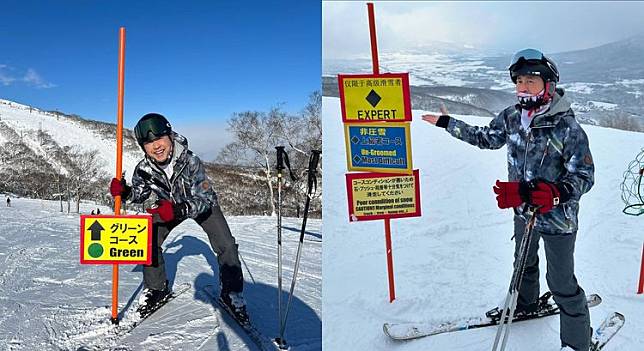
pixel 151 299
pixel 235 302
pixel 524 311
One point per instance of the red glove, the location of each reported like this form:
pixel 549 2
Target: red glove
pixel 119 188
pixel 539 193
pixel 544 194
pixel 507 194
pixel 169 211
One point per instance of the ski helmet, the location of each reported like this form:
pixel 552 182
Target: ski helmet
pixel 151 127
pixel 533 62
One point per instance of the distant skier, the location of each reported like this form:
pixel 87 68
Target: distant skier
pixel 550 166
pixel 98 211
pixel 92 213
pixel 178 179
pixel 8 202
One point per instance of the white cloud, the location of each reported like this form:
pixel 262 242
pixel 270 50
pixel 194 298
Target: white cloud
pixel 8 76
pixel 495 26
pixel 34 79
pixel 205 139
pixel 5 78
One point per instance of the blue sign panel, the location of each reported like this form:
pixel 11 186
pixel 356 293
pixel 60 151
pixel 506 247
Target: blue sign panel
pixel 378 147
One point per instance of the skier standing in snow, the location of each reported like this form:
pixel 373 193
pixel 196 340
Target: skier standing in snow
pixel 178 179
pixel 8 202
pixel 550 166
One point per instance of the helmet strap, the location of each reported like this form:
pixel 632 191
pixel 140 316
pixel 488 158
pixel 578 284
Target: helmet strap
pixel 549 91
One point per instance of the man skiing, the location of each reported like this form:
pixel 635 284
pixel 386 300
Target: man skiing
pixel 8 202
pixel 178 179
pixel 549 167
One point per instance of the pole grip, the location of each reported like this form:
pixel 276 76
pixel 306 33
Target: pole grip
pixel 312 171
pixel 280 158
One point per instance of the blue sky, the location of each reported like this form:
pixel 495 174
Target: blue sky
pixel 194 61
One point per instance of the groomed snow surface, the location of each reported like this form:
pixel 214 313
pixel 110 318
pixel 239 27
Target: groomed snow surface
pixel 48 301
pixel 456 260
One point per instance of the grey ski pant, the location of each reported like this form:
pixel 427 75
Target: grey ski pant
pixel 574 322
pixel 221 241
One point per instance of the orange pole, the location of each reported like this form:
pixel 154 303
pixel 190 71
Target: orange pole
pixel 390 260
pixel 641 287
pixel 119 164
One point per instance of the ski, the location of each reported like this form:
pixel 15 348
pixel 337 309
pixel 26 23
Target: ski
pixel 182 288
pixel 259 339
pixel 411 331
pixel 609 327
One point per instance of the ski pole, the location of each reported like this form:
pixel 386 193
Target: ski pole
pixel 512 296
pixel 247 269
pixel 282 158
pixel 280 167
pixel 311 188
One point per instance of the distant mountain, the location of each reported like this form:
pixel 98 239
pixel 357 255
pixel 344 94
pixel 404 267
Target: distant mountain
pixel 604 83
pixel 458 100
pixel 36 160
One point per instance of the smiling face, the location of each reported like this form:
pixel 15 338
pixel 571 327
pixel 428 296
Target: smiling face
pixel 159 149
pixel 529 84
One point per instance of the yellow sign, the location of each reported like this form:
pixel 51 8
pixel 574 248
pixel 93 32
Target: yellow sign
pixel 375 97
pixel 379 196
pixel 116 239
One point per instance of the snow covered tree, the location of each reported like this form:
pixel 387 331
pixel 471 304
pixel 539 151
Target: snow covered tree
pixel 86 175
pixel 255 135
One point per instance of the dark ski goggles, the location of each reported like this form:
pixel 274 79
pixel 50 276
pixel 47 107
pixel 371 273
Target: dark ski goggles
pixel 531 56
pixel 151 129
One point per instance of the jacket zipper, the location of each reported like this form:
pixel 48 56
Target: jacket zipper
pixel 545 152
pixel 525 158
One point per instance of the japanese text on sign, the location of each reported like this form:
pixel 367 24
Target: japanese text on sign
pixel 378 196
pixel 371 98
pixel 385 147
pixel 116 239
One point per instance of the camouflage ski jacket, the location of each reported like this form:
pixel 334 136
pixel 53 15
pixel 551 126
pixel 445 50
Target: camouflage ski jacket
pixel 188 184
pixel 555 148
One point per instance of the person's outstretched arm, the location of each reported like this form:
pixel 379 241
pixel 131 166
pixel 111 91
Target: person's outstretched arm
pixel 490 137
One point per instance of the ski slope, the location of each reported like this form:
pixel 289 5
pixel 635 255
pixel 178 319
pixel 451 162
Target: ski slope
pixel 456 260
pixel 48 301
pixel 26 121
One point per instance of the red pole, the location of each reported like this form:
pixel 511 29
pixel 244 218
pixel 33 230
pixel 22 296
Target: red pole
pixel 374 42
pixel 641 286
pixel 376 70
pixel 119 164
pixel 390 261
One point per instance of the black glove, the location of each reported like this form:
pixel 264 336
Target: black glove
pixel 443 121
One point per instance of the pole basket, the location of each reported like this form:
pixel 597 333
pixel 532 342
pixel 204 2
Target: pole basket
pixel 633 187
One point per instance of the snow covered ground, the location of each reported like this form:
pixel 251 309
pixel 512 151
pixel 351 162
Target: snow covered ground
pixel 48 301
pixel 27 121
pixel 456 260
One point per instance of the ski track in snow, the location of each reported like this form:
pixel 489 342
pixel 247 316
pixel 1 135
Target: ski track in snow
pixel 48 301
pixel 455 261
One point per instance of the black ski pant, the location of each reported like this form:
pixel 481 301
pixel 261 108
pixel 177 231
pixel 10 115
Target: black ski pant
pixel 574 320
pixel 221 241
